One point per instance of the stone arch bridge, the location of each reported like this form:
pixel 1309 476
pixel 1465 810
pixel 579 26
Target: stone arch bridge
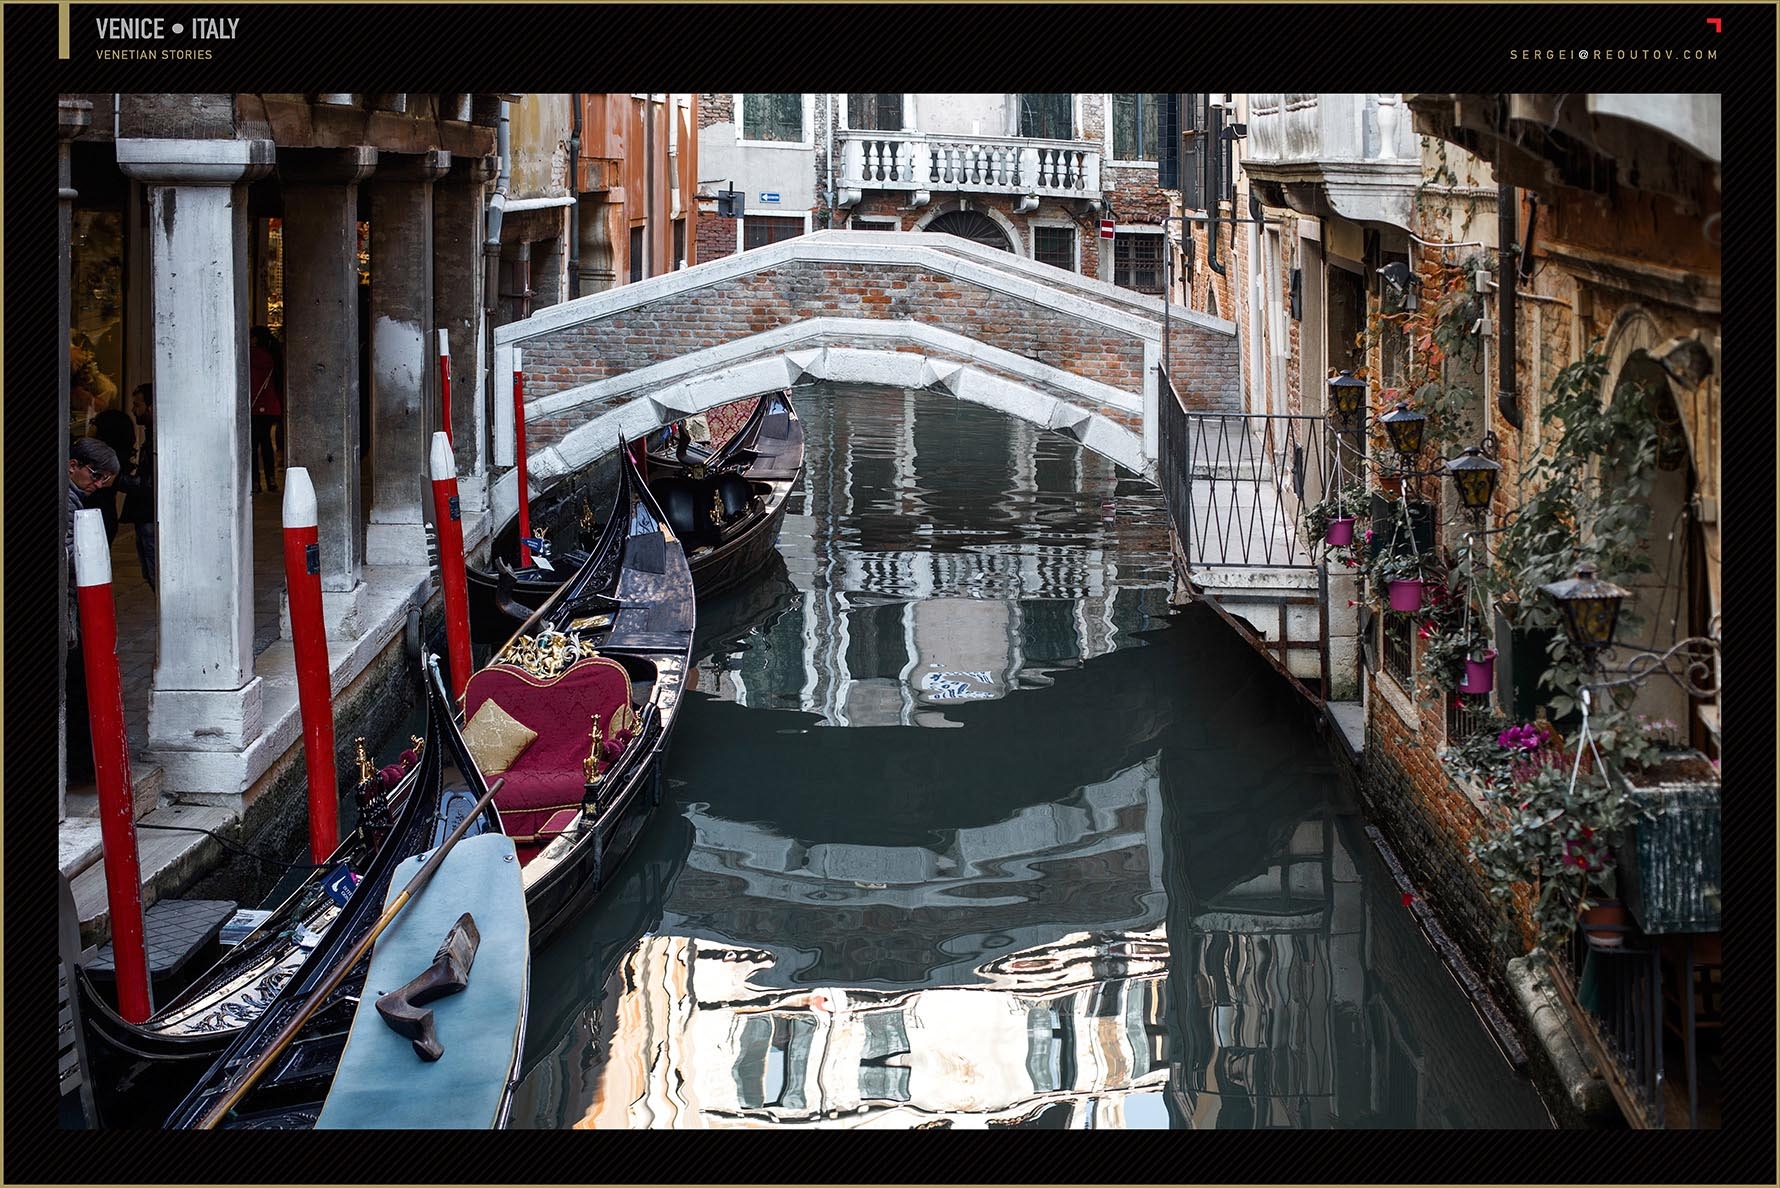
pixel 898 308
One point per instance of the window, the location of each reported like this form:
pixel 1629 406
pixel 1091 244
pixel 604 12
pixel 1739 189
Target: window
pixel 679 243
pixel 1137 262
pixel 1047 117
pixel 1137 126
pixel 875 225
pixel 1054 246
pixel 760 230
pixel 773 117
pixel 875 113
pixel 1399 647
pixel 1192 163
pixel 636 254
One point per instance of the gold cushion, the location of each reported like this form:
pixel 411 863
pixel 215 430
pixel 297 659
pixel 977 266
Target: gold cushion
pixel 496 738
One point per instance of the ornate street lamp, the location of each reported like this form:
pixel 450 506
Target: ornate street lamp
pixel 1346 396
pixel 1405 429
pixel 1590 608
pixel 1474 474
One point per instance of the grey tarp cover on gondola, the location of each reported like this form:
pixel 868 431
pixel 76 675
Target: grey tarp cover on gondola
pixel 381 1082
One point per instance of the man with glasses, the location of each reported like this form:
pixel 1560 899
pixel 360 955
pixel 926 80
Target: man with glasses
pixel 91 465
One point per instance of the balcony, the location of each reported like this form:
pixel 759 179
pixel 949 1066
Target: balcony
pixel 1355 155
pixel 921 163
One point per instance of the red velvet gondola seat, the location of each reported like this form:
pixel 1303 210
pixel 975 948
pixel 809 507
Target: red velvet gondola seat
pixel 549 776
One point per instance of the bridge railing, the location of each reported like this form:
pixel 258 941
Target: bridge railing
pixel 1237 482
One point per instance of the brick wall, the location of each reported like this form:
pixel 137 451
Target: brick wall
pixel 799 290
pixel 1429 823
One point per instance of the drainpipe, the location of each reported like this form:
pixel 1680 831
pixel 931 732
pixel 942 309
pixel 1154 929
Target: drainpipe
pixel 575 193
pixel 497 204
pixel 649 186
pixel 1507 400
pixel 1214 185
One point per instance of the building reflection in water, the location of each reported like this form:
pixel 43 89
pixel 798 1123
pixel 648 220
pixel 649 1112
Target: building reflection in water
pixel 1115 890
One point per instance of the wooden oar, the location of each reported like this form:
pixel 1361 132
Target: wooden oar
pixel 246 1079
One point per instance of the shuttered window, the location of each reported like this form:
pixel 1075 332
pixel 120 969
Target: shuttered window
pixel 772 117
pixel 1137 126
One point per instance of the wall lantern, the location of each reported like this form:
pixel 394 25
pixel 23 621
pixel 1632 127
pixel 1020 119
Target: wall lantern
pixel 1404 282
pixel 1590 608
pixel 1475 476
pixel 1405 429
pixel 1346 396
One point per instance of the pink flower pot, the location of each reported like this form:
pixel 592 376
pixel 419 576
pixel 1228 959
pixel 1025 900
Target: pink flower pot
pixel 1341 532
pixel 1480 675
pixel 1406 594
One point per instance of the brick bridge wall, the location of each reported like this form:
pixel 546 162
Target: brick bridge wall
pixel 1083 328
pixel 766 300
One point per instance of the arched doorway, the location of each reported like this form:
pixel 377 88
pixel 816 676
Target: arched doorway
pixel 972 225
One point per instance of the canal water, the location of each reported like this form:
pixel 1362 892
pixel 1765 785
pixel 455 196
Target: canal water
pixel 966 826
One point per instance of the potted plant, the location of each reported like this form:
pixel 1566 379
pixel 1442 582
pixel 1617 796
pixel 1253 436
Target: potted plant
pixel 1331 518
pixel 1670 855
pixel 1457 651
pixel 1403 577
pixel 1458 656
pixel 1547 821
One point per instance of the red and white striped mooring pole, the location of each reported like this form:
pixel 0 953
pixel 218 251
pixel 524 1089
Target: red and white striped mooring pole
pixel 309 635
pixel 525 511
pixel 111 762
pixel 445 385
pixel 449 517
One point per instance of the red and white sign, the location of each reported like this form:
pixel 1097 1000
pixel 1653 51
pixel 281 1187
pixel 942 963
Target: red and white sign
pixel 1106 228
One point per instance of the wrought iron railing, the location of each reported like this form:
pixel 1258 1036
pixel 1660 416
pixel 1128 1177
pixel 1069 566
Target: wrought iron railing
pixel 1612 976
pixel 1237 482
pixel 1467 714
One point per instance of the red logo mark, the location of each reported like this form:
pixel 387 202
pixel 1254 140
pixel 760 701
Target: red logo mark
pixel 1717 24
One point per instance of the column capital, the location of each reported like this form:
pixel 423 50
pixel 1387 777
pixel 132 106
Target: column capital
pixel 194 162
pixel 73 116
pixel 325 166
pixel 475 170
pixel 414 167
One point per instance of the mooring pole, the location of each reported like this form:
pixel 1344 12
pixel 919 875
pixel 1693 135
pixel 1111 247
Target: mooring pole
pixel 525 511
pixel 449 517
pixel 445 384
pixel 111 762
pixel 309 637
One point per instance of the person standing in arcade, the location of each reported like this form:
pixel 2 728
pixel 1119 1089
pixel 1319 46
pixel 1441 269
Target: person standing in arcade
pixel 266 407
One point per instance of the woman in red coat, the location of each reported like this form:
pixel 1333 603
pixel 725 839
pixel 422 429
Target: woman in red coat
pixel 266 406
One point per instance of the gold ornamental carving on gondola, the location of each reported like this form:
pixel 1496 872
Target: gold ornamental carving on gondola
pixel 547 654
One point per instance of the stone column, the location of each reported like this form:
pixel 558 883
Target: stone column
pixel 321 360
pixel 206 696
pixel 404 400
pixel 73 116
pixel 458 232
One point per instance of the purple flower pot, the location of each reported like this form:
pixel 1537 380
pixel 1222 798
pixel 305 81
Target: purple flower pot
pixel 1406 594
pixel 1341 532
pixel 1480 675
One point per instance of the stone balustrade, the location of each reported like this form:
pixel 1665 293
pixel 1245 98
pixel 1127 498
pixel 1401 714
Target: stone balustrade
pixel 916 161
pixel 1304 126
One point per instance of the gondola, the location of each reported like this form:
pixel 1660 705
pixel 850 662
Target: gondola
pixel 137 1068
pixel 726 504
pixel 595 675
pixel 292 1091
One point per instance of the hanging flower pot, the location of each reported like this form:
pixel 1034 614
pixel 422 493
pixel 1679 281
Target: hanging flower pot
pixel 1605 923
pixel 1480 675
pixel 1406 594
pixel 1340 531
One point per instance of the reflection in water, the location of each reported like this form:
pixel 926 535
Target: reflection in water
pixel 969 829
